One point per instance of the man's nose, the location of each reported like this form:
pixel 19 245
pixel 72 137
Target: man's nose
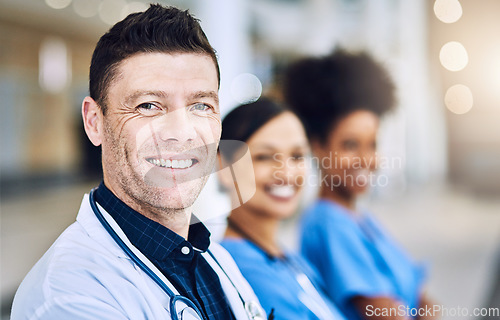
pixel 178 126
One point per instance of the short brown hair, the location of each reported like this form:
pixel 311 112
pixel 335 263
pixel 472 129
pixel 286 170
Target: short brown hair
pixel 158 29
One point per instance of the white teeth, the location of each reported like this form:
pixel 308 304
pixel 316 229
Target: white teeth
pixel 282 191
pixel 174 164
pixel 181 164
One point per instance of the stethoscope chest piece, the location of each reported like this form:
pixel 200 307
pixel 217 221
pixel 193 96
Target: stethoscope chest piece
pixel 254 311
pixel 183 309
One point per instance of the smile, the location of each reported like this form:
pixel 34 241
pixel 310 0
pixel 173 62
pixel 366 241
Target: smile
pixel 283 191
pixel 174 164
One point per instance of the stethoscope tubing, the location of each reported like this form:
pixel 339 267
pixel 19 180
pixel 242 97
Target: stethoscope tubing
pixel 173 297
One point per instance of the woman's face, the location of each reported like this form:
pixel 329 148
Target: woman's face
pixel 278 149
pixel 348 157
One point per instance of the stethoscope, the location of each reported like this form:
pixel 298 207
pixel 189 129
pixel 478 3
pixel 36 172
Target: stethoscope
pixel 179 305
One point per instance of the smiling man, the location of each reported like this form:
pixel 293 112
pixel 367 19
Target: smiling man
pixel 159 134
pixel 134 251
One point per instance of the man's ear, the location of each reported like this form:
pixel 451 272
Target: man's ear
pixel 92 120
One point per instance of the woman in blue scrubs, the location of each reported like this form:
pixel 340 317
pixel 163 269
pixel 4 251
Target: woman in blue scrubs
pixel 340 99
pixel 286 285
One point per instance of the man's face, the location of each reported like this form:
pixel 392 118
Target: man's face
pixel 161 129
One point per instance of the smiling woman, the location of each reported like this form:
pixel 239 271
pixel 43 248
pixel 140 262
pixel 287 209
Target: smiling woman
pixel 340 98
pixel 282 280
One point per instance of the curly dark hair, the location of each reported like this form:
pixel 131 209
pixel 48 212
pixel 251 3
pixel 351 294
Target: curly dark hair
pixel 323 90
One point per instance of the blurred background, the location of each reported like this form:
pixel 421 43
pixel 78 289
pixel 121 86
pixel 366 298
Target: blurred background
pixel 442 198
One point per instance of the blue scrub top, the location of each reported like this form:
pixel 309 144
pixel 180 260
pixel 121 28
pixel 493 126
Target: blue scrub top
pixel 274 280
pixel 355 257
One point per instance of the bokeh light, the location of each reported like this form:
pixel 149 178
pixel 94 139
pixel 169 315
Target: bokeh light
pixel 448 11
pixel 246 88
pixel 86 8
pixel 54 73
pixel 459 99
pixel 133 7
pixel 110 10
pixel 453 56
pixel 58 4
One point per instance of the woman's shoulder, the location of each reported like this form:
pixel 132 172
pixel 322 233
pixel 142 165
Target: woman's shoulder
pixel 242 250
pixel 327 214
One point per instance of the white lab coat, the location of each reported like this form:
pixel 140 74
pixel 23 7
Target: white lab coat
pixel 86 275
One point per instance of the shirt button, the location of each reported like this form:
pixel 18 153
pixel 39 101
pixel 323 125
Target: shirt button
pixel 185 250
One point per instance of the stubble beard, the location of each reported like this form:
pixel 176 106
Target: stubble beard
pixel 150 200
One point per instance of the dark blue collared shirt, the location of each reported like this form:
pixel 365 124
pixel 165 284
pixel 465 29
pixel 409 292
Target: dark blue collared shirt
pixel 179 260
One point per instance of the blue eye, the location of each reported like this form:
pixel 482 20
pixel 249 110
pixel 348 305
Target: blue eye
pixel 147 106
pixel 200 107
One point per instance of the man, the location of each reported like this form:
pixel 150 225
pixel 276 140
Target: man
pixel 132 252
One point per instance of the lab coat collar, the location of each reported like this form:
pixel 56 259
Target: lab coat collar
pixel 151 238
pixel 87 219
pixel 95 230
